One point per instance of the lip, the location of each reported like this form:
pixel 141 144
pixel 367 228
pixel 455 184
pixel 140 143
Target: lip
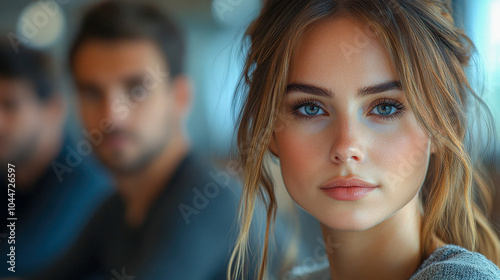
pixel 348 188
pixel 115 141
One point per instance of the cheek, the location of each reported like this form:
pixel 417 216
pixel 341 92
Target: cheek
pixel 402 156
pixel 153 115
pixel 90 115
pixel 27 121
pixel 302 151
pixel 399 154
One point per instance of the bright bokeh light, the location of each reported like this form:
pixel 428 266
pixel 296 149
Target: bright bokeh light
pixel 41 24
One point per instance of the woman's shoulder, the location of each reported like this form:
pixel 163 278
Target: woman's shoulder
pixel 455 262
pixel 447 262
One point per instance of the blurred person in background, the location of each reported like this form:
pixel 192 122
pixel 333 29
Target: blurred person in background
pixel 172 215
pixel 54 189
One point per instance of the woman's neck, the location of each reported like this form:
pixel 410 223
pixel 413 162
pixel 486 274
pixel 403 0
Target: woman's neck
pixel 389 250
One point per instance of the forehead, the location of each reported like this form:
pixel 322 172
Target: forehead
pixel 99 60
pixel 341 53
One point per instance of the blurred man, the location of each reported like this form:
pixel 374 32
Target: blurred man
pixel 43 206
pixel 172 216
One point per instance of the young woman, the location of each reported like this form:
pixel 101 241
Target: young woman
pixel 365 103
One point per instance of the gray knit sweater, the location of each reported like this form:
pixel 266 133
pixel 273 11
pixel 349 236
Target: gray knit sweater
pixel 449 262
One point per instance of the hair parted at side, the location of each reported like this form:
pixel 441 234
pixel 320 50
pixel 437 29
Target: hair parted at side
pixel 430 55
pixel 118 20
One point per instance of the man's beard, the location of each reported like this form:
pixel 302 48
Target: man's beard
pixel 147 154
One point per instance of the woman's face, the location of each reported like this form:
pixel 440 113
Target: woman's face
pixel 344 114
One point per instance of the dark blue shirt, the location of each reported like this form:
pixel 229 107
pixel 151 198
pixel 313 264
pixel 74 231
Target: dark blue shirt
pixel 52 214
pixel 188 232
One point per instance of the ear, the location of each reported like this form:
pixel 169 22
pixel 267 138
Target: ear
pixel 432 148
pixel 273 146
pixel 182 89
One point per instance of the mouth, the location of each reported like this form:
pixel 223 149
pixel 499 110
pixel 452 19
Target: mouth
pixel 348 188
pixel 115 141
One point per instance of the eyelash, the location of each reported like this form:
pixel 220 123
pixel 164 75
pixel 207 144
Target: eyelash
pixel 294 108
pixel 399 106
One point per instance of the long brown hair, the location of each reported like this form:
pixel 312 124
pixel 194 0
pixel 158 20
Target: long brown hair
pixel 430 55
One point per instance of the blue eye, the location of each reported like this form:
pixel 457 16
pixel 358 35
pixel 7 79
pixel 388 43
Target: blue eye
pixel 310 110
pixel 385 109
pixel 306 109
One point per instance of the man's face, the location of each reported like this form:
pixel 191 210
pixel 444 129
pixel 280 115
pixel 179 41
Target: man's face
pixel 21 121
pixel 127 103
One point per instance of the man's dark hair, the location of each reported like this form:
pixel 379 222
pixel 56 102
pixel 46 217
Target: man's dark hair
pixel 29 65
pixel 124 20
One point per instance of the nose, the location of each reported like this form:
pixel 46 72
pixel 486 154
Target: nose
pixel 346 146
pixel 115 107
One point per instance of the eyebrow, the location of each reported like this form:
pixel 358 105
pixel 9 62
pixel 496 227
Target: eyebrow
pixel 85 85
pixel 133 79
pixel 364 91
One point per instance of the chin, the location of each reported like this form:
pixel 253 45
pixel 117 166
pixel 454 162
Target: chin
pixel 116 165
pixel 353 220
pixel 348 225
